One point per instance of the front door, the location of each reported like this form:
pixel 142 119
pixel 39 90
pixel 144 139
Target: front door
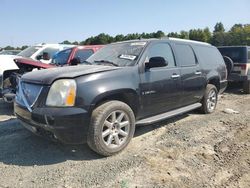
pixel 161 86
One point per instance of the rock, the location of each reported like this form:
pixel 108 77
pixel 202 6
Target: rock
pixel 230 111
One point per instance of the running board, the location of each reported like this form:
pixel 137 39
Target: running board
pixel 169 114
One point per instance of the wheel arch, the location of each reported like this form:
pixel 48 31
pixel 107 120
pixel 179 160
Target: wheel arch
pixel 215 80
pixel 128 96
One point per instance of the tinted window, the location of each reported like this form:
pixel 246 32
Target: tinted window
pixel 237 54
pixel 83 54
pixel 185 55
pixel 162 50
pixel 249 55
pixel 209 55
pixel 61 58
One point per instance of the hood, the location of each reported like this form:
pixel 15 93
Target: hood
pixel 7 63
pixel 46 77
pixel 21 62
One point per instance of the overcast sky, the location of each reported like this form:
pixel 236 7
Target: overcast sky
pixel 52 21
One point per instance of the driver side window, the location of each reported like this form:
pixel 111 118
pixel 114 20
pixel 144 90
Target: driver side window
pixel 162 50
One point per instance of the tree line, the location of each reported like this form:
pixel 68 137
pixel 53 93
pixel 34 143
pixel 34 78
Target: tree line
pixel 238 34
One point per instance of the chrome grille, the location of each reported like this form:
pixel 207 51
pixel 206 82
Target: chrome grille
pixel 31 92
pixel 28 93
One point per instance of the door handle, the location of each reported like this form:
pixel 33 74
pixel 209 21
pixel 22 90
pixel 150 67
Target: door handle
pixel 175 76
pixel 198 72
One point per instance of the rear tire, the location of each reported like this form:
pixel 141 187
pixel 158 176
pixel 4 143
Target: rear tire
pixel 246 87
pixel 209 100
pixel 112 127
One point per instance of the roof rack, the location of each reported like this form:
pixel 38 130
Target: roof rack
pixel 191 41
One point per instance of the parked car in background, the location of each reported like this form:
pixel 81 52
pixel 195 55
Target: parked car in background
pixel 239 56
pixel 9 52
pixel 41 52
pixel 123 84
pixel 74 55
pixel 67 57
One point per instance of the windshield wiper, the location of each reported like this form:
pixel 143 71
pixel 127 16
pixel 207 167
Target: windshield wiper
pixel 106 62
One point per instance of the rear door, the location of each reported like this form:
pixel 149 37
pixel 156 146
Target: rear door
pixel 192 77
pixel 160 86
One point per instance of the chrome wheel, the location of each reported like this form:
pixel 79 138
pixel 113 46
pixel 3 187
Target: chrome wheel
pixel 115 129
pixel 211 100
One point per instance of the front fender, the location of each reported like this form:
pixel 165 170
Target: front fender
pixel 97 86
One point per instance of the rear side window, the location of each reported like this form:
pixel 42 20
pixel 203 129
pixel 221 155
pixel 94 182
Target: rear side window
pixel 162 50
pixel 249 55
pixel 185 55
pixel 84 54
pixel 209 55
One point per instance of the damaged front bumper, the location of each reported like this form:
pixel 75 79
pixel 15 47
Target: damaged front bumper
pixel 8 85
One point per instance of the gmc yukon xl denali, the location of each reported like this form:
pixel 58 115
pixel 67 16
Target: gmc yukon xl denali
pixel 122 85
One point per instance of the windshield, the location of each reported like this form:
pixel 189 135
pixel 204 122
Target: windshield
pixel 120 54
pixel 28 52
pixel 237 54
pixel 61 58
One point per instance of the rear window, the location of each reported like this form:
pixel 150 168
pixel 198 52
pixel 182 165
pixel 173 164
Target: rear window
pixel 185 55
pixel 237 54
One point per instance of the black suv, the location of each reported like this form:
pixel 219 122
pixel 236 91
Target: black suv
pixel 238 57
pixel 122 85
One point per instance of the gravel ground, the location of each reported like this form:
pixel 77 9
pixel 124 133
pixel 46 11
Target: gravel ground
pixel 192 150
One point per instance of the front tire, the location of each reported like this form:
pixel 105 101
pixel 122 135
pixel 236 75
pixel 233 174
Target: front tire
pixel 112 127
pixel 209 100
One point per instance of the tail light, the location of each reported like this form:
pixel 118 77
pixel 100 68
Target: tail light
pixel 242 66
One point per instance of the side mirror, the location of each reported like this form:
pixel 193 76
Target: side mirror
pixel 75 61
pixel 156 62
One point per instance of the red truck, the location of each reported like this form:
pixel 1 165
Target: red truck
pixel 67 57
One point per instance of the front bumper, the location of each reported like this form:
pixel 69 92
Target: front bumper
pixel 68 125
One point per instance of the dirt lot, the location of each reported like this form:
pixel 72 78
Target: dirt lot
pixel 192 150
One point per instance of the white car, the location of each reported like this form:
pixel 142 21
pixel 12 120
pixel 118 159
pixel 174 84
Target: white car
pixel 41 52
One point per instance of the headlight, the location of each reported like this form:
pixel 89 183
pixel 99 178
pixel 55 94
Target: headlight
pixel 62 93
